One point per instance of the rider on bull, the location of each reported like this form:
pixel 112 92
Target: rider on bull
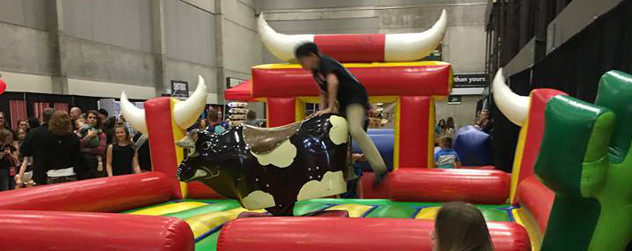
pixel 336 83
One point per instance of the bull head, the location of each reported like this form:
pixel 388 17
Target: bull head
pixel 186 172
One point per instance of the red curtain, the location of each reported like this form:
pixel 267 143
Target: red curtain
pixel 38 108
pixel 61 106
pixel 17 109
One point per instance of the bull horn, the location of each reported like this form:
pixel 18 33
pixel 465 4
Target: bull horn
pixel 415 46
pixel 280 45
pixel 187 112
pixel 133 115
pixel 513 106
pixel 186 142
pixel 397 47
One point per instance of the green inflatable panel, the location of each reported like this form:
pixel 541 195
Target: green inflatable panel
pixel 392 211
pixel 585 159
pixel 308 207
pixel 491 214
pixel 208 244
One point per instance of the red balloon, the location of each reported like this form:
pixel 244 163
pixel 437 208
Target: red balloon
pixel 3 86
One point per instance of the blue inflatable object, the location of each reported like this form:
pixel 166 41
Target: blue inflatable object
pixel 473 146
pixel 384 140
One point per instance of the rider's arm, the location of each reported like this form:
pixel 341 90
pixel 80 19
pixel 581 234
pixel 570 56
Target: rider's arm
pixel 332 91
pixel 323 100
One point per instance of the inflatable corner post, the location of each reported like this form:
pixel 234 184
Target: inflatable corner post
pixel 166 120
pixel 374 59
pixel 585 159
pixel 528 113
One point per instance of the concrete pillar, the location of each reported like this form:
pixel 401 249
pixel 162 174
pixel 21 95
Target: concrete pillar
pixel 219 52
pixel 55 19
pixel 158 45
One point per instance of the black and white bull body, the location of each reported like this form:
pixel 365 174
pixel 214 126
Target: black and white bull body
pixel 270 168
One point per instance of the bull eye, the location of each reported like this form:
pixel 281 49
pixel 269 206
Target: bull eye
pixel 206 145
pixel 191 153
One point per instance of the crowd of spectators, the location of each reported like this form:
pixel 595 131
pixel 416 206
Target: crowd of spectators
pixel 61 146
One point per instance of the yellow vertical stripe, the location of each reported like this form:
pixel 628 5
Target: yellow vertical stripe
pixel 299 110
pixel 177 135
pixel 397 125
pixel 431 133
pixel 524 218
pixel 517 164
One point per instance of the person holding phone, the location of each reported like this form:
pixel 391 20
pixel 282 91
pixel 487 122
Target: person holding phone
pixel 8 160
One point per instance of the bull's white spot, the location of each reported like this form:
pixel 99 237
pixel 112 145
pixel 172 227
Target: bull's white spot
pixel 199 173
pixel 332 183
pixel 339 132
pixel 257 200
pixel 282 156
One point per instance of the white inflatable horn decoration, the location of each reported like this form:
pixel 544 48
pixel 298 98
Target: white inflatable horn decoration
pixel 397 47
pixel 185 113
pixel 513 106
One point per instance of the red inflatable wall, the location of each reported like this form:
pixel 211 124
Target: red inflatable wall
pixel 442 185
pixel 341 234
pixel 415 80
pixel 413 131
pixel 359 48
pixel 42 230
pixel 537 198
pixel 281 111
pixel 112 194
pixel 197 190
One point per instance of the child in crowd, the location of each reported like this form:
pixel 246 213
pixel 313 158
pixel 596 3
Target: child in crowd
pixel 446 157
pixel 121 157
pixel 460 226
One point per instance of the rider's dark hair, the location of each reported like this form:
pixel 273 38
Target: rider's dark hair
pixel 306 49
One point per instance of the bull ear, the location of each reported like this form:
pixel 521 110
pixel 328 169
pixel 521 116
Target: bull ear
pixel 188 141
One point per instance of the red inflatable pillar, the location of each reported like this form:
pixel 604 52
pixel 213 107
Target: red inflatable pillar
pixel 162 144
pixel 281 111
pixel 414 148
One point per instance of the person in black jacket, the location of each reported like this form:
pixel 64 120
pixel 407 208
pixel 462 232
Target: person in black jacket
pixel 63 150
pixel 34 146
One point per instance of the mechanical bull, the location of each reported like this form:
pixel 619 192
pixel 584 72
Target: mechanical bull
pixel 270 168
